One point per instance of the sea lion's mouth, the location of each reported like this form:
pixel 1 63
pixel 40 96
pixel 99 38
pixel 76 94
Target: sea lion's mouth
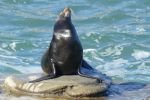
pixel 66 13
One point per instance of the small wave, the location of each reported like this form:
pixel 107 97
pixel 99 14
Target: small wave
pixel 93 53
pixel 5 51
pixel 138 54
pixel 89 50
pixel 114 68
pixel 112 51
pixel 21 45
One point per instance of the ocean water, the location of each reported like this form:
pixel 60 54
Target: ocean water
pixel 115 35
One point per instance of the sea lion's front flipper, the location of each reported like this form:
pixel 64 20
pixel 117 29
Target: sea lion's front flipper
pixel 49 76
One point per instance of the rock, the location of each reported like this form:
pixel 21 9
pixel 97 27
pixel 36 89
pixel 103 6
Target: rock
pixel 71 86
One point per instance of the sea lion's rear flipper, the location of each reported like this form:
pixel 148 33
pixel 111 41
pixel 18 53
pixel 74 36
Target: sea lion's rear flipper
pixel 49 76
pixel 87 71
pixel 86 65
pixel 88 76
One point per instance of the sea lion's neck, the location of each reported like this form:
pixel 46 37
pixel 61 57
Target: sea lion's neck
pixel 62 25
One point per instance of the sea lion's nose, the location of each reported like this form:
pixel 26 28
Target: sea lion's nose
pixel 66 12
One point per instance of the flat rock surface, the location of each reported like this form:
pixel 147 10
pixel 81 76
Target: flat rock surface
pixel 73 86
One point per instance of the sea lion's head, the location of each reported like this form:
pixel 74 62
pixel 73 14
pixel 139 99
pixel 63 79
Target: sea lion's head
pixel 63 21
pixel 65 14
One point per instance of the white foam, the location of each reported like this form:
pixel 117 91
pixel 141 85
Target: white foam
pixel 4 45
pixel 94 54
pixel 8 57
pixel 138 54
pixel 13 46
pixel 114 68
pixel 117 72
pixel 98 58
pixel 97 41
pixel 5 51
pixel 140 29
pixel 89 34
pixel 89 50
pixel 115 51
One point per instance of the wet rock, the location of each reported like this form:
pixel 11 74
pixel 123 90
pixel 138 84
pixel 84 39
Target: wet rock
pixel 71 86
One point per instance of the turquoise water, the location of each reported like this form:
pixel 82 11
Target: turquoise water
pixel 115 35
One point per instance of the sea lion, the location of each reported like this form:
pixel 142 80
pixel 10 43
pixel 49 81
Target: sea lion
pixel 65 53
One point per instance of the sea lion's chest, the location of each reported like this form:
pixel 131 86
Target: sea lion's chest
pixel 61 36
pixel 62 43
pixel 65 46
